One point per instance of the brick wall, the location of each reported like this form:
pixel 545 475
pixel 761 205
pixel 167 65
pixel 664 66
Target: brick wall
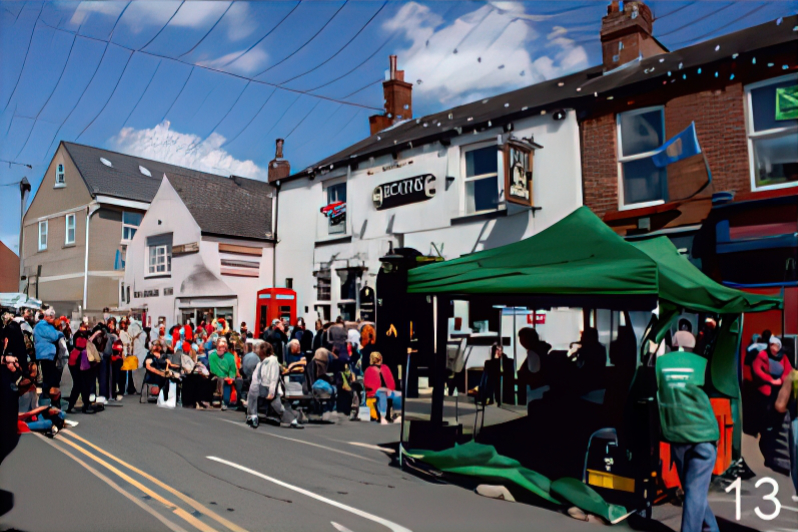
pixel 599 164
pixel 719 118
pixel 720 123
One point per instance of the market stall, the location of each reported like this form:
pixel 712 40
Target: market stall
pixel 580 262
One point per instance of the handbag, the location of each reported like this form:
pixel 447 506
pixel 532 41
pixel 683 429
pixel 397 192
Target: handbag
pixel 84 361
pixel 92 354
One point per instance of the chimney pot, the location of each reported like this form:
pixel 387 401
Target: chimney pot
pixel 627 34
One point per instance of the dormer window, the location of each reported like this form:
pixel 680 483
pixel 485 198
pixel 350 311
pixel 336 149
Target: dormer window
pixel 60 177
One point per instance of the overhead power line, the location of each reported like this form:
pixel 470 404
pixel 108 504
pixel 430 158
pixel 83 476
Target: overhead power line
pixel 692 22
pixel 164 26
pixel 340 49
pixel 284 59
pixel 16 163
pixel 209 31
pixel 224 72
pixel 236 58
pixel 25 61
pixel 705 35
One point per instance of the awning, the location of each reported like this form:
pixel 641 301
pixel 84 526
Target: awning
pixel 581 255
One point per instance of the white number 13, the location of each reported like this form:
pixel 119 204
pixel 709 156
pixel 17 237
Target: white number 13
pixel 771 497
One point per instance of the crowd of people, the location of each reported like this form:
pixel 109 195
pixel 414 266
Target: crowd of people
pixel 289 373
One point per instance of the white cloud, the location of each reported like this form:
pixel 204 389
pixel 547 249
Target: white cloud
pixel 249 63
pixel 491 51
pixel 185 149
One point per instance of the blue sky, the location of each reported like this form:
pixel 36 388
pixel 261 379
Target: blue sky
pixel 210 85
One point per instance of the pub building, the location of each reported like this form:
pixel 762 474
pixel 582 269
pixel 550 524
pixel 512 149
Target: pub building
pixel 473 177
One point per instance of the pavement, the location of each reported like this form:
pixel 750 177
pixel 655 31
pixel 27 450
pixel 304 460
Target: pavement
pixel 141 467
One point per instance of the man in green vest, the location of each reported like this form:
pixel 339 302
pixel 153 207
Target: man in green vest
pixel 689 425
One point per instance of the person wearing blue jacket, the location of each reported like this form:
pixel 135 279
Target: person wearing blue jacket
pixel 45 340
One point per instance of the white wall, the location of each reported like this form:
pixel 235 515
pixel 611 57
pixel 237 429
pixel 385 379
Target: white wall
pixel 302 230
pixel 168 214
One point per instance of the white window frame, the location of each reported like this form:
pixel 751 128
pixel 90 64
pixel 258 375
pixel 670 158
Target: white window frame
pixel 334 183
pixel 124 225
pixel 152 269
pixel 466 179
pixel 622 206
pixel 751 135
pixel 67 218
pixel 59 172
pixel 43 224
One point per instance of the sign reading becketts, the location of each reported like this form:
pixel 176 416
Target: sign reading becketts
pixel 404 192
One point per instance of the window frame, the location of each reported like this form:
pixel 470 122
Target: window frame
pixel 127 225
pixel 167 262
pixel 45 224
pixel 68 242
pixel 622 205
pixel 60 171
pixel 500 205
pixel 328 221
pixel 752 135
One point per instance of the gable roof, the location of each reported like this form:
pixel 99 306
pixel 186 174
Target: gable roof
pixel 225 206
pixel 123 179
pixel 571 91
pixel 233 207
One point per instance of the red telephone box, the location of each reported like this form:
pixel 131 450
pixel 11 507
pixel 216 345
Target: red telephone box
pixel 274 303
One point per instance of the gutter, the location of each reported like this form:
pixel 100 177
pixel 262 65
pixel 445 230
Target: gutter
pixel 90 209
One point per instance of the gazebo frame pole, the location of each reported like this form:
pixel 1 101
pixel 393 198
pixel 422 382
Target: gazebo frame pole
pixel 442 310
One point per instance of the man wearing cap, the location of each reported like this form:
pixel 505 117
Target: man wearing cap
pixel 45 339
pixel 277 337
pixel 688 424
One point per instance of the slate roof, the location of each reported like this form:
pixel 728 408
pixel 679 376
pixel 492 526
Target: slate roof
pixel 234 206
pixel 579 90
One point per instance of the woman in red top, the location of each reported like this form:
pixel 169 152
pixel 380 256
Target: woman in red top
pixel 379 383
pixel 769 369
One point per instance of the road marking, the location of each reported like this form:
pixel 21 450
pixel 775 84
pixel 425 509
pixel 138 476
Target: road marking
pixel 328 449
pixel 339 528
pixel 372 446
pixel 388 524
pixel 171 525
pixel 789 508
pixel 193 521
pixel 185 498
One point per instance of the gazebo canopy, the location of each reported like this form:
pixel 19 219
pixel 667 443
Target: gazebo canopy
pixel 581 255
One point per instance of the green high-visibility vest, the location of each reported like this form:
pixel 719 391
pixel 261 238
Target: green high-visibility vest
pixel 685 412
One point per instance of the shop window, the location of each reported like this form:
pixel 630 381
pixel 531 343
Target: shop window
pixel 773 132
pixel 43 235
pixel 60 176
pixel 481 180
pixel 130 224
pixel 159 254
pixel 640 133
pixel 335 211
pixel 323 284
pixel 349 277
pixel 69 229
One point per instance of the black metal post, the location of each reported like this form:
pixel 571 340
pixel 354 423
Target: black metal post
pixel 443 313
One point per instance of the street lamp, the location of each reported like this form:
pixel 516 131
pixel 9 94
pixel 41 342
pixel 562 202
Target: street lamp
pixel 24 188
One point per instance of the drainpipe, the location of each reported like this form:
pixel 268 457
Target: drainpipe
pixel 274 248
pixel 91 209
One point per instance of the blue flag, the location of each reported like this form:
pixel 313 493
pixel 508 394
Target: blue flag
pixel 682 146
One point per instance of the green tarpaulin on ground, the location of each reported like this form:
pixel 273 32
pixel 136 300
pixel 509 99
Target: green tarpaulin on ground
pixel 581 255
pixel 483 462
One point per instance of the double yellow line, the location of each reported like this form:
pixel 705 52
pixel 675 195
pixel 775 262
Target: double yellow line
pixel 176 510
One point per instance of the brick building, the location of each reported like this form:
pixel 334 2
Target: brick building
pixel 9 269
pixel 739 93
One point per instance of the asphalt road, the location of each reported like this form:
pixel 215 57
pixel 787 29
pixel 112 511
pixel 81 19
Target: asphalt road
pixel 140 467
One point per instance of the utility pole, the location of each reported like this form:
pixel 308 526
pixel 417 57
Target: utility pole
pixel 24 189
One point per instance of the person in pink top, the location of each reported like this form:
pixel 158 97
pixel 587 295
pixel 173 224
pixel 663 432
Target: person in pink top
pixel 770 368
pixel 379 383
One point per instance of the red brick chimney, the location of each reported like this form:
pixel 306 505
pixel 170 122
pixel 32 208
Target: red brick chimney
pixel 279 168
pixel 626 34
pixel 398 100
